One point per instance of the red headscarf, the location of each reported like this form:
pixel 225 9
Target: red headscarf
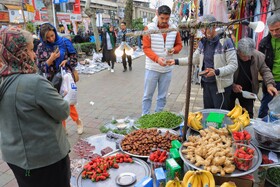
pixel 13 55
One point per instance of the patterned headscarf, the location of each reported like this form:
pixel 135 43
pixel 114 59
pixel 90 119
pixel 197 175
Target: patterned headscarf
pixel 13 55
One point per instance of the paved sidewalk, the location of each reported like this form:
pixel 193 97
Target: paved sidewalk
pixel 117 95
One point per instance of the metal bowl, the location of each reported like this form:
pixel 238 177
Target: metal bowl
pixel 266 141
pixel 267 176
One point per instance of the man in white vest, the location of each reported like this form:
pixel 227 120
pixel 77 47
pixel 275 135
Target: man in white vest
pixel 158 48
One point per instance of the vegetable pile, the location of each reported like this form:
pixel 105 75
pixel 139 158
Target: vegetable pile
pixel 266 160
pixel 273 174
pixel 162 119
pixel 96 169
pixel 243 158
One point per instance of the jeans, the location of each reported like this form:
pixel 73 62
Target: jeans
pixel 264 103
pixel 152 80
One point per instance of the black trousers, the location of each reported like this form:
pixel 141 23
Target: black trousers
pixel 129 60
pixel 213 99
pixel 248 104
pixel 55 175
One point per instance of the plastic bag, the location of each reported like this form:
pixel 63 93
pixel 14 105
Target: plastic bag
pixel 68 88
pixel 274 105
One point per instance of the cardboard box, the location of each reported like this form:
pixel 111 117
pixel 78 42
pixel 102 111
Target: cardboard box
pixel 240 182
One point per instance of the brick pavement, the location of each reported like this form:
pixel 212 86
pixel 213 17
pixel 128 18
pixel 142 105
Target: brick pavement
pixel 118 94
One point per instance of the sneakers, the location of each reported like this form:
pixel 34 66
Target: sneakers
pixel 80 126
pixel 112 71
pixel 124 70
pixel 109 68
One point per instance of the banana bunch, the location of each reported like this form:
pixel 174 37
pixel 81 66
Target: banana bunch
pixel 228 184
pixel 173 183
pixel 194 120
pixel 240 122
pixel 235 112
pixel 201 178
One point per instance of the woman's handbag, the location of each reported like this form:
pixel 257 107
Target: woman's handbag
pixel 57 81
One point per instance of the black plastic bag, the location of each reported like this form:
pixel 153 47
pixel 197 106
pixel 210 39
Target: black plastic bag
pixel 57 81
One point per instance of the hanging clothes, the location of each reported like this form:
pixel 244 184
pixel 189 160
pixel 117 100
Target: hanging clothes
pixel 217 9
pixel 264 8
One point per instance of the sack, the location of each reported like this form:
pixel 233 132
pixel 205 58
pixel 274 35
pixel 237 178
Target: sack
pixel 69 89
pixel 57 81
pixel 76 75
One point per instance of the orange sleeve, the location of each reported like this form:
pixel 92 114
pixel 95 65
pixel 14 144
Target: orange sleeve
pixel 178 44
pixel 146 41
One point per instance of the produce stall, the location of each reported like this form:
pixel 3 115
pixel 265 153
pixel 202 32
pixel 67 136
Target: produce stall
pixel 154 156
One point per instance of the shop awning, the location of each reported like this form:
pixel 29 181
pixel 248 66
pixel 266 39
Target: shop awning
pixel 13 7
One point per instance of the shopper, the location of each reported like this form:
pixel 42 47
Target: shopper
pixel 216 56
pixel 130 41
pixel 33 142
pixel 269 46
pixel 49 60
pixel 250 64
pixel 156 48
pixel 109 46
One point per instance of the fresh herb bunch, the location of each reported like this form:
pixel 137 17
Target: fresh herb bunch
pixel 162 119
pixel 273 174
pixel 104 129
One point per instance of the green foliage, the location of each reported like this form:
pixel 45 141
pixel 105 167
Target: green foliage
pixel 137 24
pixel 128 13
pixel 85 47
pixel 30 27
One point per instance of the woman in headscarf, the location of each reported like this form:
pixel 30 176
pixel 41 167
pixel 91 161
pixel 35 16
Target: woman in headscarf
pixel 109 45
pixel 54 52
pixel 33 142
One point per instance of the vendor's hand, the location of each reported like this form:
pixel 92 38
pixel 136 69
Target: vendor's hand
pixel 211 72
pixel 171 51
pixel 161 61
pixel 62 64
pixel 236 88
pixel 170 62
pixel 272 90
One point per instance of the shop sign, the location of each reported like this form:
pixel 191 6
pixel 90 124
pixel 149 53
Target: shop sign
pixel 4 17
pixel 61 17
pixel 75 17
pixel 29 8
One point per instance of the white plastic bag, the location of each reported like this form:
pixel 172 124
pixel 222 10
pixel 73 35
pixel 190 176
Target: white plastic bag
pixel 68 88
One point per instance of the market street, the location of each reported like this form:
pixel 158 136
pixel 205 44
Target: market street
pixel 104 95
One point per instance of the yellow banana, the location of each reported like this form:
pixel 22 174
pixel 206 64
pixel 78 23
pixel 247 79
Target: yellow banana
pixel 210 177
pixel 172 183
pixel 196 181
pixel 204 180
pixel 232 126
pixel 237 112
pixel 186 177
pixel 228 184
pixel 190 118
pixel 196 124
pixel 232 111
pixel 237 127
pixel 190 181
pixel 199 116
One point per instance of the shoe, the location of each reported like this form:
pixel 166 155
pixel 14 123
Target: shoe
pixel 80 127
pixel 112 70
pixel 124 70
pixel 109 68
pixel 130 68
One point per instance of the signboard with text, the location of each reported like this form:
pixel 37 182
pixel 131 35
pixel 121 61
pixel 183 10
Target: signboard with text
pixel 4 17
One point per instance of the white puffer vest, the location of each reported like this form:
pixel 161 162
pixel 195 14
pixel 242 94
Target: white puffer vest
pixel 159 47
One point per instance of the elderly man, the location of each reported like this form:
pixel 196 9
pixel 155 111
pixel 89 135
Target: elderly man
pixel 250 63
pixel 156 48
pixel 270 46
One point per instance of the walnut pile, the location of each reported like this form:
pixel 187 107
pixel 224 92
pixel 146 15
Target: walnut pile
pixel 142 141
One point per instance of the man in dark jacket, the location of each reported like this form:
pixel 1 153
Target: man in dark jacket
pixel 270 46
pixel 250 64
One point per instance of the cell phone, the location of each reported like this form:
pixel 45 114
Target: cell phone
pixel 56 49
pixel 204 72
